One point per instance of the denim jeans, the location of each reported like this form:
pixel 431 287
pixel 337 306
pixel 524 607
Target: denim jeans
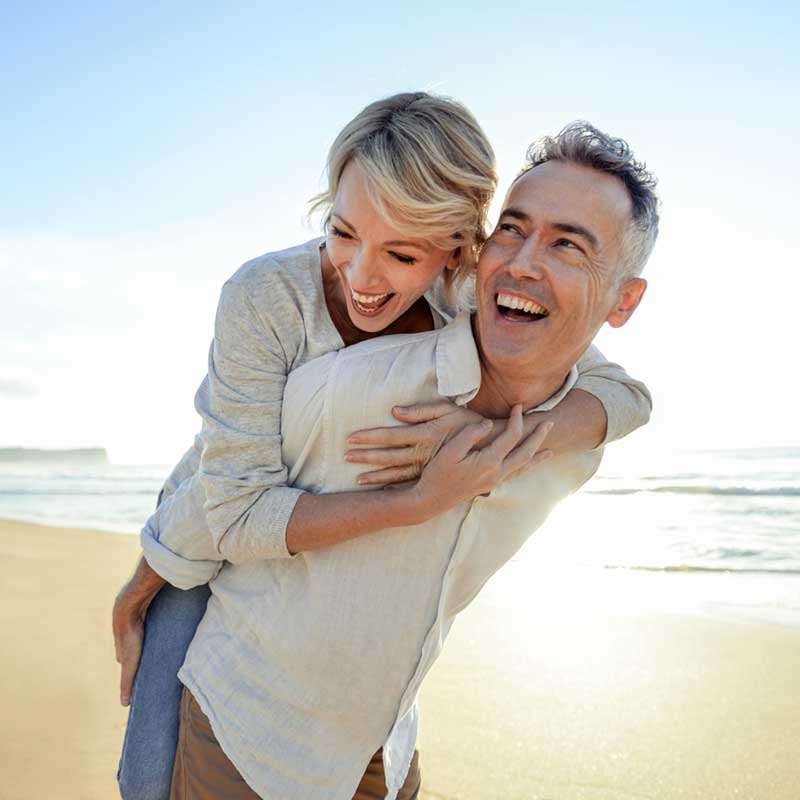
pixel 151 738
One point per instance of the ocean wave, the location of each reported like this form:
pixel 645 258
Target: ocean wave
pixel 687 568
pixel 736 491
pixel 76 493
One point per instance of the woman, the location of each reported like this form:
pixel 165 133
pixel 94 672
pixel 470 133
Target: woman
pixel 410 182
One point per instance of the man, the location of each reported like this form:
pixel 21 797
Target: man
pixel 305 666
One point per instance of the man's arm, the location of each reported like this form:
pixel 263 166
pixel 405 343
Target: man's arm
pixel 127 622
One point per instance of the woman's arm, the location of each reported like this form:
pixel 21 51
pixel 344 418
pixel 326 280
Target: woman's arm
pixel 605 404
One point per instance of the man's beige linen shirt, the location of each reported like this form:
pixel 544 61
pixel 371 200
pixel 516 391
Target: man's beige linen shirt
pixel 307 665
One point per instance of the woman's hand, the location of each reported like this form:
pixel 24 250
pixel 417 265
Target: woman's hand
pixel 403 451
pixel 468 465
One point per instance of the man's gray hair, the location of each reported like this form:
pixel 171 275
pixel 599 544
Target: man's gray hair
pixel 582 143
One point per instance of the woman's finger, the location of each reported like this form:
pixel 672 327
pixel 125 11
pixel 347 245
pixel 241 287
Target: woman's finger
pixel 464 441
pixel 508 439
pixel 394 436
pixel 539 458
pixel 381 456
pixel 385 477
pixel 423 412
pixel 522 455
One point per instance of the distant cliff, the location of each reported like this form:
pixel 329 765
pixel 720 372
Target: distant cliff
pixel 85 455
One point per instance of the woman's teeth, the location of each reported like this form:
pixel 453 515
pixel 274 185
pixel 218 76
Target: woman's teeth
pixel 369 303
pixel 518 304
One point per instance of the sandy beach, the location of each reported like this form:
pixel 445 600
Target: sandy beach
pixel 600 703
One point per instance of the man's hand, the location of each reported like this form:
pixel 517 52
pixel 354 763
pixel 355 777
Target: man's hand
pixel 403 451
pixel 130 610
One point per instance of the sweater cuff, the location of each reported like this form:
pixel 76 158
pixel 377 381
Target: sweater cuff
pixel 269 521
pixel 182 573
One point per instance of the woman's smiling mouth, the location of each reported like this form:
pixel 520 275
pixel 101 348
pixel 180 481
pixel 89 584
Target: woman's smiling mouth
pixel 369 304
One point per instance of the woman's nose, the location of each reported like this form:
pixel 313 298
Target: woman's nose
pixel 361 273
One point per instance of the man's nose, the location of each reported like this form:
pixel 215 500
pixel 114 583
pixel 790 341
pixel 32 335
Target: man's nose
pixel 528 261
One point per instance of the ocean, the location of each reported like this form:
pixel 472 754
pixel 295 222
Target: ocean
pixel 715 531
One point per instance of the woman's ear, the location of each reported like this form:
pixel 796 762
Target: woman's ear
pixel 454 259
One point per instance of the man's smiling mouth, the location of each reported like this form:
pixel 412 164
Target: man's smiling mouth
pixel 519 309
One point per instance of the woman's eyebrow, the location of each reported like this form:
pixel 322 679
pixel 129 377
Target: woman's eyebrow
pixel 343 221
pixel 424 246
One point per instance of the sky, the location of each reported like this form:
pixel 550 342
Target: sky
pixel 148 150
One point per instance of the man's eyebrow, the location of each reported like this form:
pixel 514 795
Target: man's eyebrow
pixel 515 213
pixel 564 227
pixel 578 230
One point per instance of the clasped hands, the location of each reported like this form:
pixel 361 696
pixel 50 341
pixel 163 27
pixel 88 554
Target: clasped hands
pixel 440 440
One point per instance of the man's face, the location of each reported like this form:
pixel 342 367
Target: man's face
pixel 548 275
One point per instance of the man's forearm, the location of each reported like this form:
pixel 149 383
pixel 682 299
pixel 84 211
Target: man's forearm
pixel 144 584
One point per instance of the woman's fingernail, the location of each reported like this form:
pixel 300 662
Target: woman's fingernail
pixel 401 409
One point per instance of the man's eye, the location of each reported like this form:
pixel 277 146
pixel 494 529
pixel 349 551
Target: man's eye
pixel 508 227
pixel 568 244
pixel 402 258
pixel 340 233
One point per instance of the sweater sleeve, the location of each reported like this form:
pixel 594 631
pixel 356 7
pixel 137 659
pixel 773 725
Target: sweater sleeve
pixel 627 401
pixel 238 502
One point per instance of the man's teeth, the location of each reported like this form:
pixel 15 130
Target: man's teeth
pixel 529 306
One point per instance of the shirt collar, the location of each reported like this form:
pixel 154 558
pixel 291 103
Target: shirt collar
pixel 458 366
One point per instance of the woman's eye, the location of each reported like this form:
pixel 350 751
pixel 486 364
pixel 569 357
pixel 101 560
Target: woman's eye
pixel 403 259
pixel 340 233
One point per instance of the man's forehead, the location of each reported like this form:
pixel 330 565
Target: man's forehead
pixel 565 192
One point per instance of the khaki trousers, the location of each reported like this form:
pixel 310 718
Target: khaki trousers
pixel 203 771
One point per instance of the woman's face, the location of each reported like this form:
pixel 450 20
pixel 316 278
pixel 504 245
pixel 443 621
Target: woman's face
pixel 382 272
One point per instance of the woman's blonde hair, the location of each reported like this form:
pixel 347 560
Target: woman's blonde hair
pixel 430 171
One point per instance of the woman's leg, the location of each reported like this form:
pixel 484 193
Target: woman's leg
pixel 148 753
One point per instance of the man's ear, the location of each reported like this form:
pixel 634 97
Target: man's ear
pixel 630 295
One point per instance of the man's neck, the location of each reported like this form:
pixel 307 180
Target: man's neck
pixel 498 394
pixel 502 389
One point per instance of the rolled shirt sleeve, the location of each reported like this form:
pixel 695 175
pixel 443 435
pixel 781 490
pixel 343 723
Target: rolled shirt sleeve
pixel 627 401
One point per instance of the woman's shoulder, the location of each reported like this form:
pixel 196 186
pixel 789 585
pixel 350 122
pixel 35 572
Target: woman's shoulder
pixel 291 269
pixel 276 299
